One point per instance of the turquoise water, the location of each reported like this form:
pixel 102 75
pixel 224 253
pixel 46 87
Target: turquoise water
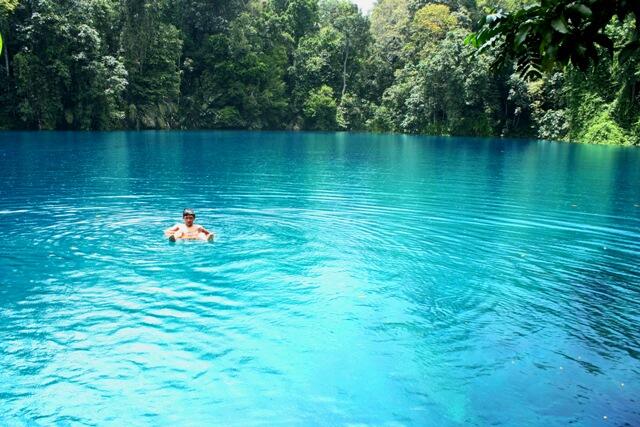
pixel 355 280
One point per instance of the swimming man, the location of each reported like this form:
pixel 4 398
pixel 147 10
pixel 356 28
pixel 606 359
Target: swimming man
pixel 188 230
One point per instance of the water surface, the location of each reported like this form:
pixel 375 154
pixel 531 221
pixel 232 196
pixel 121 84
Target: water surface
pixel 355 279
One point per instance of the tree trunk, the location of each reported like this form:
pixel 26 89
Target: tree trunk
pixel 344 70
pixel 6 59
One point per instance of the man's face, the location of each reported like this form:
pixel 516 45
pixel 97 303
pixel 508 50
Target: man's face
pixel 188 219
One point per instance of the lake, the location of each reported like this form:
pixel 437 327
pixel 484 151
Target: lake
pixel 355 279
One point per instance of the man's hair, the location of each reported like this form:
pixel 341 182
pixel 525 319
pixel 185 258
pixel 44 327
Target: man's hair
pixel 188 211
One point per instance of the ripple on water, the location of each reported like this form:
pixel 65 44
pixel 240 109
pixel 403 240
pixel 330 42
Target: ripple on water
pixel 385 280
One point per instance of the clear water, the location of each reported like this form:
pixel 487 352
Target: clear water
pixel 355 280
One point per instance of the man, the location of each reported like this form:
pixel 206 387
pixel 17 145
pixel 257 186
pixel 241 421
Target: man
pixel 188 230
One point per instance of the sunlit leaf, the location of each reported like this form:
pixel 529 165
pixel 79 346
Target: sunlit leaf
pixel 521 36
pixel 471 39
pixel 584 10
pixel 560 25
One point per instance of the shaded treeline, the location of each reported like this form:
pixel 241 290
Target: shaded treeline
pixel 292 64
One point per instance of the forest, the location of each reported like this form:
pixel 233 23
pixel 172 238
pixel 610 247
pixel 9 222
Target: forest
pixel 409 66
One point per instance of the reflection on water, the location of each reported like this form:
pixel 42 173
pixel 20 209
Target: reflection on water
pixel 355 279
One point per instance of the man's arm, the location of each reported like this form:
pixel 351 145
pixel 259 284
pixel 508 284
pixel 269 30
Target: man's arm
pixel 169 231
pixel 209 235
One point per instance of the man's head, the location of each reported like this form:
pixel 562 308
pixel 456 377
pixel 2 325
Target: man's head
pixel 188 215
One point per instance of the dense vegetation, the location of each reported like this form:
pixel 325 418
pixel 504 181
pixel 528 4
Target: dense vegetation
pixel 310 64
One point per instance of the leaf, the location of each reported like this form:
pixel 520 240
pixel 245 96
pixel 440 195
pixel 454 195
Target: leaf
pixel 583 10
pixel 471 39
pixel 580 9
pixel 0 43
pixel 560 25
pixel 494 17
pixel 521 35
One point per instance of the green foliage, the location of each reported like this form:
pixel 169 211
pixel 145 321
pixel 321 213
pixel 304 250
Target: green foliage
pixel 198 19
pixel 39 100
pixel 444 93
pixel 543 35
pixel 430 25
pixel 320 109
pixel 322 65
pixel 354 39
pixel 602 129
pixel 300 17
pixel 151 53
pixel 64 79
pixel 434 21
pixel 8 6
pixel 549 107
pixel 244 87
pixel 352 112
pixel 390 21
pixel 317 62
pixel 594 47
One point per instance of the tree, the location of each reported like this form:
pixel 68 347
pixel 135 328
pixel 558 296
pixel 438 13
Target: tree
pixel 242 85
pixel 429 27
pixel 198 19
pixel 320 109
pixel 300 16
pixel 152 49
pixel 7 7
pixel 353 112
pixel 434 21
pixel 554 33
pixel 390 28
pixel 353 28
pixel 317 62
pixel 65 77
pixel 321 64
